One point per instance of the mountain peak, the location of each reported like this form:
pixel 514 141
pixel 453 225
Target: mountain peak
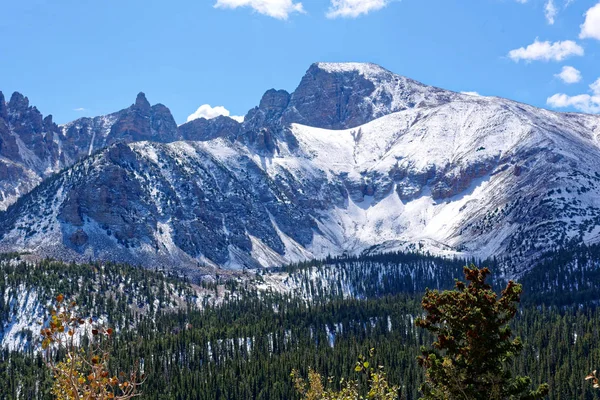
pixel 18 102
pixel 278 189
pixel 275 100
pixel 49 123
pixel 341 67
pixel 141 101
pixel 347 95
pixel 3 111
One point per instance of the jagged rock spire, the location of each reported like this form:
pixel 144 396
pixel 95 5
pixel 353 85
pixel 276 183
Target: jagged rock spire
pixel 18 102
pixel 3 109
pixel 141 102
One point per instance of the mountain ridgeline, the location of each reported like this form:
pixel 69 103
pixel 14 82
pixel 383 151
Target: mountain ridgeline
pixel 356 160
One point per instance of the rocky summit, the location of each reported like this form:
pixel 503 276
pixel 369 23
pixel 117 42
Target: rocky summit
pixel 32 147
pixel 356 159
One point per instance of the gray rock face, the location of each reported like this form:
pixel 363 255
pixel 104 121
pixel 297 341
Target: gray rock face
pixel 347 95
pixel 274 103
pixel 28 148
pixel 451 184
pixel 27 128
pixel 32 146
pixel 3 107
pixel 140 121
pixel 124 202
pixel 332 101
pixel 8 143
pixel 262 127
pixel 203 129
pixel 144 122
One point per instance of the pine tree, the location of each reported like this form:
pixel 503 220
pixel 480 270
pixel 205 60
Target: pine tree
pixel 473 347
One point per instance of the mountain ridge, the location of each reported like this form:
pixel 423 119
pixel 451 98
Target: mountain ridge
pixel 355 159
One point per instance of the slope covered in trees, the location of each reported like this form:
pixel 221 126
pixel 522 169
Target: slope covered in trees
pixel 263 330
pixel 246 349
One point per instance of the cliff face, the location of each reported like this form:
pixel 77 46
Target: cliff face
pixel 32 147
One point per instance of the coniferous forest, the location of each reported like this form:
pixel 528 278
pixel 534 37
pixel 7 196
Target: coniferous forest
pixel 245 345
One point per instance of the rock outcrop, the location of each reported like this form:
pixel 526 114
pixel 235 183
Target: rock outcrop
pixel 32 147
pixel 203 129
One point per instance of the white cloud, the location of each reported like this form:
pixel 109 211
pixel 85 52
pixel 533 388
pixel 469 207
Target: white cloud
pixel 354 8
pixel 472 94
pixel 547 51
pixel 582 102
pixel 522 1
pixel 550 11
pixel 80 109
pixel 595 87
pixel 590 29
pixel 208 112
pixel 569 75
pixel 280 9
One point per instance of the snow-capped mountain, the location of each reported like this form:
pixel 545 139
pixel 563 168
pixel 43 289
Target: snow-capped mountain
pixel 140 121
pixel 28 148
pixel 32 147
pixel 356 159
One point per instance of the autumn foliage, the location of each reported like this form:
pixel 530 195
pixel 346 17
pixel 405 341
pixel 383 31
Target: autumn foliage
pixel 82 372
pixel 378 387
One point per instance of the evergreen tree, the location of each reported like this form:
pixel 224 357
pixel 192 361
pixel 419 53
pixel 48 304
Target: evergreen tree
pixel 473 347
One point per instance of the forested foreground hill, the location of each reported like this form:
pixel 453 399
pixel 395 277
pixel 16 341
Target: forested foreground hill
pixel 246 350
pixel 323 315
pixel 121 294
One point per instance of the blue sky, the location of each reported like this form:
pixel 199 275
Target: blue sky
pixel 76 58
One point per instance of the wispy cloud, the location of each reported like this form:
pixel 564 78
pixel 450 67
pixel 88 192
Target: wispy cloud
pixel 80 109
pixel 280 9
pixel 590 29
pixel 582 102
pixel 354 8
pixel 569 75
pixel 209 112
pixel 550 11
pixel 546 51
